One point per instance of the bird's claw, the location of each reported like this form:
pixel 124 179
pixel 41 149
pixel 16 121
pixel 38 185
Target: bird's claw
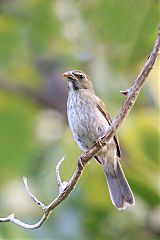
pixel 80 161
pixel 100 142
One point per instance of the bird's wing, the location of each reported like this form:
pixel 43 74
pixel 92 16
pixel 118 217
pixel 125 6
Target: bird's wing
pixel 102 109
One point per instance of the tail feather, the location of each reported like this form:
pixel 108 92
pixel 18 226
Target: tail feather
pixel 120 191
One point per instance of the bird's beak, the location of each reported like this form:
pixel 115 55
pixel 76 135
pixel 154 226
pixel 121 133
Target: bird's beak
pixel 66 74
pixel 69 75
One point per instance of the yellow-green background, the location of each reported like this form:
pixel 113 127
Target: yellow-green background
pixel 110 40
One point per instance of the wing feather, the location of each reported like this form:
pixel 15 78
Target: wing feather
pixel 102 109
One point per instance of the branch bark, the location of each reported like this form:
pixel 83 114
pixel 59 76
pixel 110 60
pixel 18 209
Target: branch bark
pixel 65 188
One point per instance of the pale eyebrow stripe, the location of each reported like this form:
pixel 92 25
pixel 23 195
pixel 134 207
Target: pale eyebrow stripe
pixel 78 73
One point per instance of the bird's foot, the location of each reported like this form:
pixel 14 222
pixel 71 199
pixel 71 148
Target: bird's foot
pixel 101 143
pixel 80 158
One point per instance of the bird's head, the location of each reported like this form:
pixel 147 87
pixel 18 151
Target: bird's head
pixel 78 80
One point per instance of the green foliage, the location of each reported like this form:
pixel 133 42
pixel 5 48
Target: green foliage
pixel 127 26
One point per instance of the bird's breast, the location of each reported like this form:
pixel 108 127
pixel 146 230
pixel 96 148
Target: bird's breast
pixel 86 121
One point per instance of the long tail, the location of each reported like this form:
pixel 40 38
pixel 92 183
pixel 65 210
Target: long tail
pixel 120 191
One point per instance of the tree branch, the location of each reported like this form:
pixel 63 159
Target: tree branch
pixel 65 188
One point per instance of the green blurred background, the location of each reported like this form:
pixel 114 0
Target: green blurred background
pixel 110 40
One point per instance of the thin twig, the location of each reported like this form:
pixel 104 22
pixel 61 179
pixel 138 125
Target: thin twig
pixel 124 92
pixel 59 182
pixel 61 185
pixel 39 203
pixel 132 94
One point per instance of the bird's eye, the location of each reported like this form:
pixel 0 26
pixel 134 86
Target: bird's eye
pixel 81 76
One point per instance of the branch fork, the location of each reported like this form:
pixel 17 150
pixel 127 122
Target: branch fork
pixel 65 188
pixel 124 92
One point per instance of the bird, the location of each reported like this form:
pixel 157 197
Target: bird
pixel 89 121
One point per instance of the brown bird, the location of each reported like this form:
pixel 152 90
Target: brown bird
pixel 89 121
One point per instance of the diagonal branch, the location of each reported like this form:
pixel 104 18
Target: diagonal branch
pixel 65 188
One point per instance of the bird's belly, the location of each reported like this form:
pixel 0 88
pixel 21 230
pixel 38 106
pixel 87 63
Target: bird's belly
pixel 87 124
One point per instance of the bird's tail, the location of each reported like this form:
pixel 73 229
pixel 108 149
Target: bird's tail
pixel 120 191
